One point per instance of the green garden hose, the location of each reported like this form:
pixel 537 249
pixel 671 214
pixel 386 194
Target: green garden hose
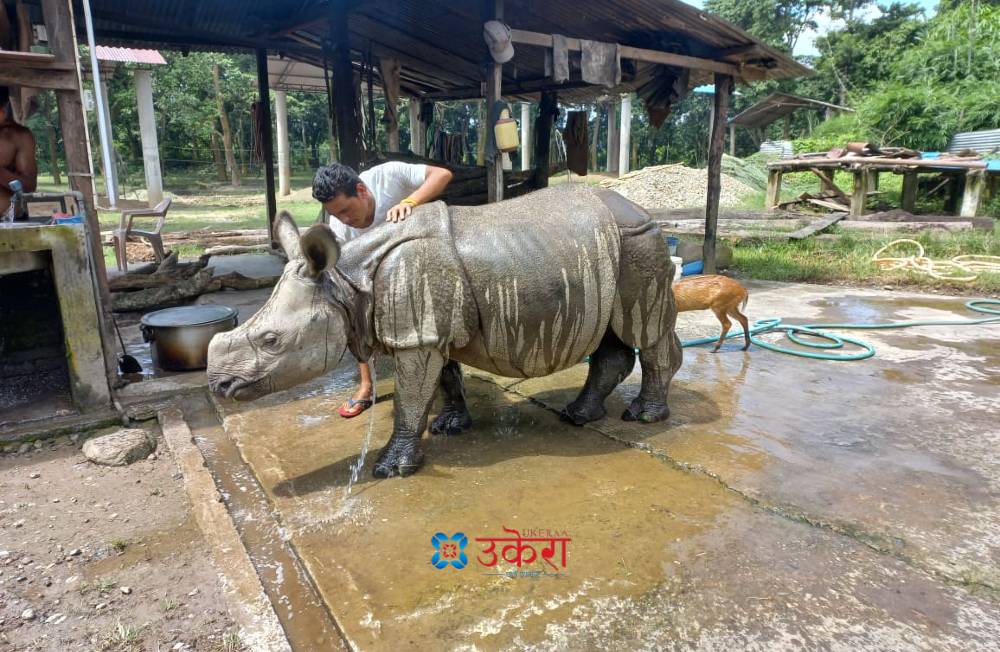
pixel 830 341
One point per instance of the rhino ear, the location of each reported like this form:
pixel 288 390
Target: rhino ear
pixel 319 248
pixel 287 235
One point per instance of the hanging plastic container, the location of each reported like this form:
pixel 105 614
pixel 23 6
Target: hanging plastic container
pixel 505 132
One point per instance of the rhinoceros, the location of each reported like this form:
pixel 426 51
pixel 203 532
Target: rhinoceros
pixel 520 288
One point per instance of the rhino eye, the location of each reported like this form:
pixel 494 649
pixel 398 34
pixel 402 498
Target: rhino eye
pixel 269 340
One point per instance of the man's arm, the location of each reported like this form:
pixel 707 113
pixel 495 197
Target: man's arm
pixel 25 168
pixel 435 181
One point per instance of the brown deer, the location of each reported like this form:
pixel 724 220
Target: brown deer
pixel 721 294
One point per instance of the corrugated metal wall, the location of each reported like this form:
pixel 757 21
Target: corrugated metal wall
pixel 980 141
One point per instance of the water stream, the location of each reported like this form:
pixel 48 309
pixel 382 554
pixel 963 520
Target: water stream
pixel 360 463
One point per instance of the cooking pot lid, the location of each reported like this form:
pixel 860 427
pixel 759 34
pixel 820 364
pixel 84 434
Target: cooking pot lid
pixel 188 316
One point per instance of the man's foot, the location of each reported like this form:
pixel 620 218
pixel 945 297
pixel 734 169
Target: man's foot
pixel 357 404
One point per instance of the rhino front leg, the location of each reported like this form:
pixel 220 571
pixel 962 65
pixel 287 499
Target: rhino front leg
pixel 454 418
pixel 417 375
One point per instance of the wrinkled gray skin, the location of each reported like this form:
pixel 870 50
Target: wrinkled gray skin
pixel 519 288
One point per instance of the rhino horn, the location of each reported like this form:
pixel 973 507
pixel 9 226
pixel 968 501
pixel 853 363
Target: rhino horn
pixel 287 234
pixel 320 249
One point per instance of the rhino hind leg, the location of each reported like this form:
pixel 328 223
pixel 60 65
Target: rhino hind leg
pixel 454 418
pixel 659 364
pixel 609 365
pixel 418 372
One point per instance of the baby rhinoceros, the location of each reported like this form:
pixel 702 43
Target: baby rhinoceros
pixel 519 288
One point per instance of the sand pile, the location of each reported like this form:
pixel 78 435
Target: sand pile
pixel 674 186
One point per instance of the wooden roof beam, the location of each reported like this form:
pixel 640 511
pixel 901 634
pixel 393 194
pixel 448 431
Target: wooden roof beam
pixel 639 54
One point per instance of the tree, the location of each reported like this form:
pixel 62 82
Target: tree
pixel 778 22
pixel 227 133
pixel 862 54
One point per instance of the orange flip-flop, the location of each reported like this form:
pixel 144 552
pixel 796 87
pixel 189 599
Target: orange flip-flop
pixel 354 408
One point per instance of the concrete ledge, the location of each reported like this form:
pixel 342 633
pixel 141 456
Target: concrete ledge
pixel 58 426
pixel 247 602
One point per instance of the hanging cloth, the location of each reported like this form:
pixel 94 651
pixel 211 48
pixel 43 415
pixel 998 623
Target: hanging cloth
pixel 600 63
pixel 577 143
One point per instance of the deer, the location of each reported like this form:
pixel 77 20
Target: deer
pixel 720 294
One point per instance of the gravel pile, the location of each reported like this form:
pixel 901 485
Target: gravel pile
pixel 674 186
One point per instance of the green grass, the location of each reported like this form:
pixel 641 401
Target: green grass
pixel 849 259
pixel 201 204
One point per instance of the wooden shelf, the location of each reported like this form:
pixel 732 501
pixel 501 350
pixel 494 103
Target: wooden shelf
pixel 31 60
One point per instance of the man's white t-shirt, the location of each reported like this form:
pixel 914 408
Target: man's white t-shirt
pixel 389 184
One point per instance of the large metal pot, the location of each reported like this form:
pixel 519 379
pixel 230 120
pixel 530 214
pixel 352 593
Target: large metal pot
pixel 179 337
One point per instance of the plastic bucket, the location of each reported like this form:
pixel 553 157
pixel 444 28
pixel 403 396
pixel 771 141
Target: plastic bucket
pixel 694 267
pixel 678 264
pixel 672 243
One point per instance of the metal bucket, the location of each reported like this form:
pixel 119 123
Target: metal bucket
pixel 179 337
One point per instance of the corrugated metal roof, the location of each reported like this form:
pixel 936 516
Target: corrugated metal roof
pixel 778 105
pixel 979 141
pixel 129 55
pixel 439 44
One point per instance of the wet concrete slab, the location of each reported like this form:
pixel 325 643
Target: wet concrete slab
pixel 786 504
pixel 899 451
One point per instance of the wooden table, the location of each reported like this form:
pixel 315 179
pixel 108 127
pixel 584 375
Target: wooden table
pixel 865 170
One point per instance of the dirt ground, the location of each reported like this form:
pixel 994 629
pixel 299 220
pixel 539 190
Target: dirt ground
pixel 103 558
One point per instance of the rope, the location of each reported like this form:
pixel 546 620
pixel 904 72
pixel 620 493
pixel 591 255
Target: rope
pixel 830 341
pixel 960 268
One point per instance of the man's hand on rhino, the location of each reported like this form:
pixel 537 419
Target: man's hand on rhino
pixel 399 212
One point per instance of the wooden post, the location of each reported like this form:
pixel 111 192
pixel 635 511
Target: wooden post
pixel 786 132
pixel 525 136
pixel 60 27
pixel 548 109
pixel 493 10
pixel 873 179
pixel 773 197
pixel 612 162
pixel 281 121
pixel 263 88
pixel 975 181
pixel 723 87
pixel 625 135
pixel 909 190
pixel 481 135
pixel 390 79
pixel 345 95
pixel 76 137
pixel 860 194
pixel 732 140
pixel 955 189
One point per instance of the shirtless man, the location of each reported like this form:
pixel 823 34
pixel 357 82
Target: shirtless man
pixel 17 153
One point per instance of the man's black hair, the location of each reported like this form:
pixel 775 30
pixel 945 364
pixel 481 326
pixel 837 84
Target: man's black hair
pixel 335 179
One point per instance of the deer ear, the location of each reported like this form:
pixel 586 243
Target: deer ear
pixel 287 234
pixel 320 249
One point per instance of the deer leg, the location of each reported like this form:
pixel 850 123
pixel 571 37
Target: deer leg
pixel 721 314
pixel 742 319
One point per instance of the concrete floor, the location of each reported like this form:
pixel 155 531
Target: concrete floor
pixel 786 504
